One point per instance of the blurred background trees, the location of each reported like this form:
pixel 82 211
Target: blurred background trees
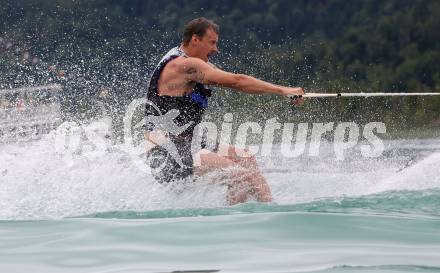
pixel 323 45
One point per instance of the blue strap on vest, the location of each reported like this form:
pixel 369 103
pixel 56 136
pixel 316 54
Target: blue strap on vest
pixel 198 98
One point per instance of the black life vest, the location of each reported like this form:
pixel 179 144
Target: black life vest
pixel 191 106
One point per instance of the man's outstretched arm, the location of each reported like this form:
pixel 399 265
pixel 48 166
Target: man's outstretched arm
pixel 199 71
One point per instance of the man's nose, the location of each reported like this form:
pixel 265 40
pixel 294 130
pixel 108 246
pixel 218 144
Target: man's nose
pixel 215 50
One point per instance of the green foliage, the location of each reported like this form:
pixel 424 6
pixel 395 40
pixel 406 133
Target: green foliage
pixel 325 46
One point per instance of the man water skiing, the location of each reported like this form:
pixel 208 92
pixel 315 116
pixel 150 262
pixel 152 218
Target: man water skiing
pixel 178 83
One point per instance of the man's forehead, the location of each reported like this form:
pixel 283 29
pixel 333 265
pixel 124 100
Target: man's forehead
pixel 211 34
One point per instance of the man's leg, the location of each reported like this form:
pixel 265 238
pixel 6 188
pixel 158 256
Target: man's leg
pixel 247 179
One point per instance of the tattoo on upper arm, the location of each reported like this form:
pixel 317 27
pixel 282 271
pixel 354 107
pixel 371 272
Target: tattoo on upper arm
pixel 191 70
pixel 196 75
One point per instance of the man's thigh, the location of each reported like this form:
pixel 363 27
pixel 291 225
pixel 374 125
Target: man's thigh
pixel 234 153
pixel 207 161
pixel 227 156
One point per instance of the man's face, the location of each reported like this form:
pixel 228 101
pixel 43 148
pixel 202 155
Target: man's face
pixel 207 45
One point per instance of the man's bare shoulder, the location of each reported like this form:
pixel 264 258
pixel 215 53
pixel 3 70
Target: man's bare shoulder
pixel 191 62
pixel 176 63
pixel 197 70
pixel 182 64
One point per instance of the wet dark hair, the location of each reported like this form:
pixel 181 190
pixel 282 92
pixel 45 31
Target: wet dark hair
pixel 198 27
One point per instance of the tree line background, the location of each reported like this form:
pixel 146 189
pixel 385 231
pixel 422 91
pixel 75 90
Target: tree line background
pixel 322 45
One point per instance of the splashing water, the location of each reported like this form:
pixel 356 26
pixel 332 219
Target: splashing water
pixel 38 183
